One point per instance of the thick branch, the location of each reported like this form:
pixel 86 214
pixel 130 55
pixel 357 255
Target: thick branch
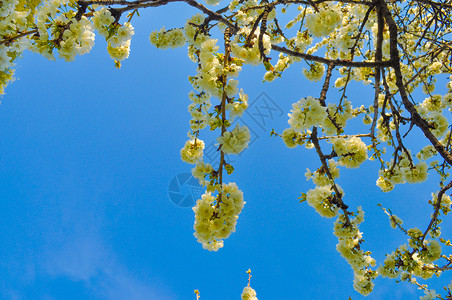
pixel 336 62
pixel 395 60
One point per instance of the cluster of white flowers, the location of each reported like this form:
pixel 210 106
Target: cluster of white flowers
pixel 193 33
pixel 418 262
pixel 281 65
pixel 302 40
pixel 164 39
pixel 315 71
pixel 352 151
pixel 337 117
pixel 429 295
pixel 395 221
pixel 215 218
pixel 350 239
pixel 199 110
pixel 249 293
pixel 321 198
pixel 431 252
pixel 426 152
pixel 200 171
pixel 323 22
pixel 192 151
pixel 235 141
pixel 119 41
pixel 250 53
pixel 117 36
pixel 236 108
pixel 291 137
pixel 389 268
pixel 446 202
pixel 403 171
pixel 215 221
pixel 78 39
pixel 320 178
pixel 102 21
pixel 306 113
pixel 59 29
pixel 13 20
pixel 433 103
pixel 210 72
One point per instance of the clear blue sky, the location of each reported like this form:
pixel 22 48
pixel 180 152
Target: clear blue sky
pixel 87 154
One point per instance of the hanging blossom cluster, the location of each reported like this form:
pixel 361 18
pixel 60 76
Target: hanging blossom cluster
pixel 217 211
pixel 326 199
pixel 118 36
pixel 351 151
pixel 401 171
pixel 306 113
pixel 215 219
pixel 349 246
pixel 248 292
pixel 323 197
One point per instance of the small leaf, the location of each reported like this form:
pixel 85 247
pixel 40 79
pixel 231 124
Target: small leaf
pixel 268 66
pixel 302 197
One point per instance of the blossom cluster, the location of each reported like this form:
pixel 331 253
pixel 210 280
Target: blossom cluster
pixel 404 170
pixel 323 197
pixel 406 263
pixel 306 113
pixel 235 141
pixel 192 151
pixel 164 39
pixel 249 293
pixel 216 216
pixel 349 247
pixel 323 22
pixel 58 28
pixel 352 151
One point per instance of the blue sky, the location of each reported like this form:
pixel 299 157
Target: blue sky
pixel 86 159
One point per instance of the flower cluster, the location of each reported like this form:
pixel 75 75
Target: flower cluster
pixel 192 151
pixel 321 198
pixel 235 141
pixel 193 33
pixel 407 263
pixel 58 28
pixel 322 23
pixel 350 239
pixel 306 113
pixel 352 151
pixel 250 53
pixel 315 72
pixel 200 171
pixel 249 293
pixel 164 39
pixel 199 110
pixel 338 115
pixel 215 219
pixel 13 20
pixel 401 172
pixel 118 36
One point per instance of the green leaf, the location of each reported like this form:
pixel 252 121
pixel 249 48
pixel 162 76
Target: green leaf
pixel 268 66
pixel 302 197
